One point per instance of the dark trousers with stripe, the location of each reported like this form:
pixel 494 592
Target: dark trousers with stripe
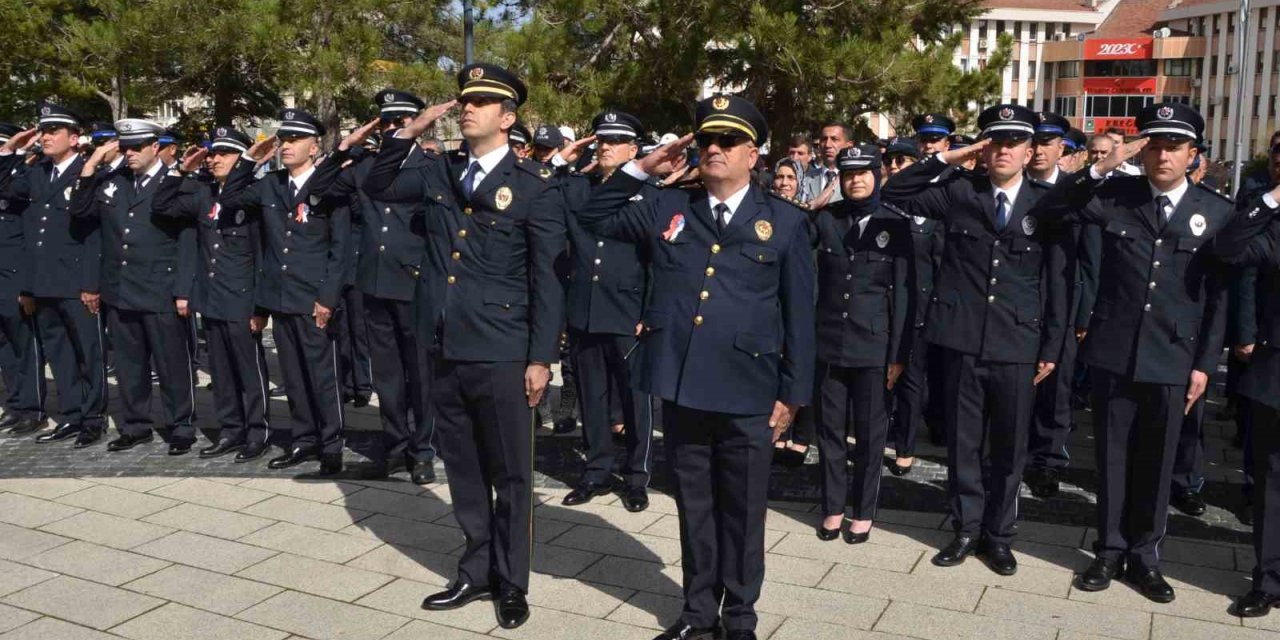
pixel 401 377
pixel 73 344
pixel 353 346
pixel 1051 418
pixel 604 383
pixel 912 395
pixel 309 370
pixel 21 362
pixel 987 408
pixel 486 435
pixel 851 401
pixel 1266 501
pixel 1188 459
pixel 238 366
pixel 141 338
pixel 720 468
pixel 1136 427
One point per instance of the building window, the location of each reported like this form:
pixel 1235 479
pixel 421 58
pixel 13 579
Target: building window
pixel 1065 106
pixel 1177 67
pixel 1015 68
pixel 1213 64
pixel 1119 68
pixel 1069 69
pixel 1031 70
pixel 1117 106
pixel 1182 99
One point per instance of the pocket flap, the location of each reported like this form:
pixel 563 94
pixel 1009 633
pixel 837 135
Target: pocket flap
pixel 754 344
pixel 505 296
pixel 1119 229
pixel 654 320
pixel 761 254
pixel 1186 329
pixel 1028 313
pixel 1189 245
pixel 1023 245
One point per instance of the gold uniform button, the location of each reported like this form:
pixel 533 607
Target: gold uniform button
pixel 711 271
pixel 704 295
pixel 462 233
pixel 451 279
pixel 697 320
pixel 466 210
pixel 457 255
pixel 715 248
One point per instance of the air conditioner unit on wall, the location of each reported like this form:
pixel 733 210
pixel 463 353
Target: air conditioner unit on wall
pixel 982 44
pixel 1059 36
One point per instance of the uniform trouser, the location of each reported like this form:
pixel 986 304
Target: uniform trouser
pixel 911 393
pixel 1266 502
pixel 309 370
pixel 604 381
pixel 486 435
pixel 1136 428
pixel 21 362
pixel 401 381
pixel 988 406
pixel 238 366
pixel 73 344
pixel 143 337
pixel 1051 417
pixel 353 346
pixel 851 399
pixel 720 469
pixel 1188 459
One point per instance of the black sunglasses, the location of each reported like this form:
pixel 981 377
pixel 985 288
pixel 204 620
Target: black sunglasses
pixel 614 140
pixel 897 160
pixel 932 139
pixel 722 140
pixel 133 146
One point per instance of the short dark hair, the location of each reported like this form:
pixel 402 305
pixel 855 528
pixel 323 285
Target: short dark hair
pixel 1275 138
pixel 509 105
pixel 1113 131
pixel 799 140
pixel 845 129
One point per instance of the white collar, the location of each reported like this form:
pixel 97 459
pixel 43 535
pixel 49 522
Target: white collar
pixel 62 167
pixel 733 202
pixel 151 173
pixel 489 160
pixel 1174 195
pixel 1055 176
pixel 301 180
pixel 1010 192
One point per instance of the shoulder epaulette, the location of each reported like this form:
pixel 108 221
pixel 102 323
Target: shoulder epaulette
pixel 894 208
pixel 1210 190
pixel 542 171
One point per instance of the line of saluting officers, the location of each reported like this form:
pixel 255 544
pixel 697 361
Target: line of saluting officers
pixel 965 279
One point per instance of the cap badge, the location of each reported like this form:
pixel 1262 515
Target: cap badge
pixel 1029 226
pixel 477 73
pixel 126 127
pixel 610 117
pixel 221 132
pixel 542 131
pixel 855 152
pixel 1006 114
pixel 387 97
pixel 1198 225
pixel 44 111
pixel 764 230
pixel 1164 113
pixel 720 103
pixel 928 119
pixel 288 115
pixel 502 199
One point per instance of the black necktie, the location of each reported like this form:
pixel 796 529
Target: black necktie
pixel 1164 208
pixel 293 190
pixel 139 183
pixel 56 173
pixel 469 179
pixel 722 216
pixel 1002 211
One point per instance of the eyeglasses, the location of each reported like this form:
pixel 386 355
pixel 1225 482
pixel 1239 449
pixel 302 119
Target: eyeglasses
pixel 900 160
pixel 725 141
pixel 132 146
pixel 931 139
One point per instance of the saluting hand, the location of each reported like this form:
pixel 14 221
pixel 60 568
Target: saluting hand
pixel 1118 156
pixel 955 157
pixel 426 118
pixel 780 419
pixel 536 378
pixel 1043 370
pixel 668 158
pixel 574 150
pixel 262 150
pixel 359 135
pixel 21 140
pixel 99 155
pixel 1195 388
pixel 193 159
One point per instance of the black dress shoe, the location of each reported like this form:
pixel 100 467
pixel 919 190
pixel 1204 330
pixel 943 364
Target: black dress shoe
pixel 1245 512
pixel 635 499
pixel 1256 604
pixel 827 535
pixel 8 420
pixel 456 596
pixel 381 470
pixel 793 459
pixel 294 458
pixel 898 470
pixel 1099 574
pixel 27 425
pixel 61 432
pixel 855 538
pixel 1043 482
pixel 422 474
pixel 953 554
pixel 126 442
pixel 88 437
pixel 564 425
pixel 1188 502
pixel 330 464
pixel 277 392
pixel 682 631
pixel 512 608
pixel 222 448
pixel 252 451
pixel 584 492
pixel 999 558
pixel 1149 583
pixel 180 446
pixel 361 401
pixel 741 634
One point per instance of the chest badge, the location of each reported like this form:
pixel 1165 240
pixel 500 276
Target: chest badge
pixel 1029 225
pixel 674 228
pixel 315 200
pixel 882 239
pixel 1198 225
pixel 239 216
pixel 764 230
pixel 110 190
pixel 919 220
pixel 66 194
pixel 502 199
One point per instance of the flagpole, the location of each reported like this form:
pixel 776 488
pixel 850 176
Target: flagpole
pixel 1242 39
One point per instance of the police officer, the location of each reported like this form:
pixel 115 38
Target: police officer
pixel 519 140
pixel 391 260
pixel 998 313
pixel 1075 152
pixel 728 346
pixel 21 358
pixel 933 133
pixel 493 311
pixel 864 303
pixel 148 264
pixel 223 292
pixel 1155 334
pixel 547 140
pixel 304 253
pixel 607 285
pixel 899 154
pixel 60 287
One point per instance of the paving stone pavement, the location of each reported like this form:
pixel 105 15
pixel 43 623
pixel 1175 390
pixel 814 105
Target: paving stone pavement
pixel 143 546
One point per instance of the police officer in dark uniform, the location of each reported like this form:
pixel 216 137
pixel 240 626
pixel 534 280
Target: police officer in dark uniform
pixel 21 356
pixel 547 141
pixel 998 313
pixel 728 345
pixel 864 304
pixel 933 133
pixel 607 285
pixel 304 254
pixel 1155 334
pixel 148 265
pixel 492 311
pixel 391 260
pixel 229 255
pixel 519 140
pixel 60 286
